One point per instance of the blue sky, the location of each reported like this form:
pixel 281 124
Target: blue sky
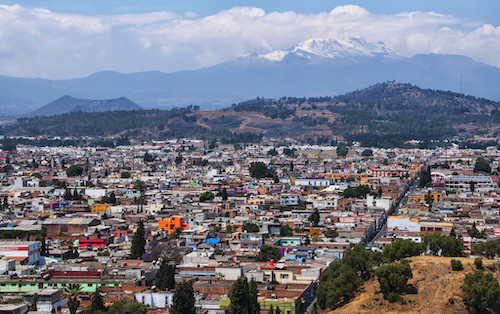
pixel 74 38
pixel 487 11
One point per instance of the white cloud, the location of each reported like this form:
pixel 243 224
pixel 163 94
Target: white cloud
pixel 41 43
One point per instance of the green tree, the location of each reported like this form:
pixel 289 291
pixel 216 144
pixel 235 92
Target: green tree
pixel 271 310
pixel 97 302
pixel 475 233
pixel 367 153
pixel 425 177
pixel 314 217
pixel 34 301
pixel 250 227
pixel 223 194
pixel 239 295
pixel 176 233
pixel 138 242
pixel 481 292
pixel 400 248
pixel 67 195
pixel 183 300
pixel 178 159
pixel 456 265
pixel 139 185
pixel 338 281
pixel 72 292
pixel 165 276
pixel 342 150
pixel 356 192
pixel 267 253
pixel 74 170
pixel 253 306
pixel 125 175
pixel 482 165
pixel 479 263
pixel 259 170
pixel 76 196
pixel 272 152
pixel 286 231
pixel 443 245
pixel 393 277
pixel 331 234
pixel 123 307
pixel 43 249
pixel 453 233
pixel 359 258
pixel 289 152
pixel 148 157
pixel 243 297
pixel 490 249
pixel 206 196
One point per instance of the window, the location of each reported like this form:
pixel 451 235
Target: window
pixel 90 285
pixel 284 276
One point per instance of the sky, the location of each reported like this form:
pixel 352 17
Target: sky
pixel 60 39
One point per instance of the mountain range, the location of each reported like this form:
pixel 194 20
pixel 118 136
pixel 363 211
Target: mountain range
pixel 315 67
pixel 68 104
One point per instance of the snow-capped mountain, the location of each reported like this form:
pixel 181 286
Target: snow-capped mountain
pixel 315 67
pixel 350 48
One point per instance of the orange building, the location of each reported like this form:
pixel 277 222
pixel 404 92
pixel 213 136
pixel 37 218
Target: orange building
pixel 99 208
pixel 172 223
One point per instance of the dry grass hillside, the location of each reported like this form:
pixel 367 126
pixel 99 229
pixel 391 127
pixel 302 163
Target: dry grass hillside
pixel 432 285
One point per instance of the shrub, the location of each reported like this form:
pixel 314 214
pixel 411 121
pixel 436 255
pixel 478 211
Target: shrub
pixel 451 300
pixel 393 297
pixel 456 265
pixel 479 263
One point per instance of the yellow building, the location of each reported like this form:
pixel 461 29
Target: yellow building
pixel 99 208
pixel 421 198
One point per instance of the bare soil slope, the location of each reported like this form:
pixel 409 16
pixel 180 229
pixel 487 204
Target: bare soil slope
pixel 429 290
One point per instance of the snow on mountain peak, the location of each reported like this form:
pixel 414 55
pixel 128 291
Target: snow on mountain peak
pixel 332 48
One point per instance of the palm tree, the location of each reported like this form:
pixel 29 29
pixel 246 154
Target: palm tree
pixel 72 292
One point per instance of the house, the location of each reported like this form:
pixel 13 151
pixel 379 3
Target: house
pixel 68 226
pixel 289 199
pixel 48 299
pixel 172 223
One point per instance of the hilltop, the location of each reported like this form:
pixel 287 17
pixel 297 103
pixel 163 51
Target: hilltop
pixel 68 104
pixel 430 289
pixel 383 114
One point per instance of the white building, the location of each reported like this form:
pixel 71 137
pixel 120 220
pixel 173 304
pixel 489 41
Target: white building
pixel 464 183
pixel 158 299
pixel 26 252
pixel 312 182
pixel 403 224
pixel 289 200
pixel 372 202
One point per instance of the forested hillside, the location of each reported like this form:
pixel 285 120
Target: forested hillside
pixel 383 114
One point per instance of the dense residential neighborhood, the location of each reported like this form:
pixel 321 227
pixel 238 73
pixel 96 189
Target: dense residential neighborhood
pixel 138 222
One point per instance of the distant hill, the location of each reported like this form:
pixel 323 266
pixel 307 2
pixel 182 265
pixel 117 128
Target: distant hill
pixel 385 114
pixel 68 104
pixel 315 67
